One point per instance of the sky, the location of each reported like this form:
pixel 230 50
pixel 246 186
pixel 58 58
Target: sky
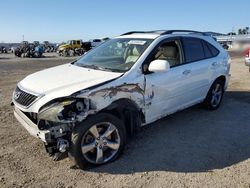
pixel 58 21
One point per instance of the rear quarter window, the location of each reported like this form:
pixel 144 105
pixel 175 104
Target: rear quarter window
pixel 213 50
pixel 207 51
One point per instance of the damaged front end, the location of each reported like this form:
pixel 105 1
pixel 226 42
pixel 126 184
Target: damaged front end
pixel 58 117
pixel 68 110
pixel 54 121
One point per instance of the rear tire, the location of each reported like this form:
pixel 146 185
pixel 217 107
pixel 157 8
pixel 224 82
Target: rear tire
pixel 215 95
pixel 97 140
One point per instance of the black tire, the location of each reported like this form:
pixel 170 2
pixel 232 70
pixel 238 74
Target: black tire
pixel 208 102
pixel 75 152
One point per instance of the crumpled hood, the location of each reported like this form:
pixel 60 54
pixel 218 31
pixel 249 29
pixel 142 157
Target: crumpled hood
pixel 65 79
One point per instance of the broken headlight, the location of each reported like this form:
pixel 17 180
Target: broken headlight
pixel 64 111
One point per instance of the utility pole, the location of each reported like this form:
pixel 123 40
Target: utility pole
pixel 232 35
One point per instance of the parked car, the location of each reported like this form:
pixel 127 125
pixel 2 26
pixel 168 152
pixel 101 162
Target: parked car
pixel 96 42
pixel 88 108
pixel 12 49
pixel 71 44
pixel 73 48
pixel 3 49
pixel 33 50
pixel 48 47
pixel 247 57
pixel 36 43
pixel 225 46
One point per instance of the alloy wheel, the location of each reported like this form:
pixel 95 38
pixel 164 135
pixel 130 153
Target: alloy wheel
pixel 100 143
pixel 216 95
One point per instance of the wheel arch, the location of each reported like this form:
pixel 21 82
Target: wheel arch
pixel 221 78
pixel 129 112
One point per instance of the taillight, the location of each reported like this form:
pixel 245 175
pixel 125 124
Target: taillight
pixel 247 52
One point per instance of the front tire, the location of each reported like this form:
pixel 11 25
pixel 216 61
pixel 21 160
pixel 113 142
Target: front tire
pixel 97 140
pixel 215 95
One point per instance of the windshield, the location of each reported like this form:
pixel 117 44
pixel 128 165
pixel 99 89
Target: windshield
pixel 117 55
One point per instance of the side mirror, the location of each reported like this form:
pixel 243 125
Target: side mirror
pixel 159 66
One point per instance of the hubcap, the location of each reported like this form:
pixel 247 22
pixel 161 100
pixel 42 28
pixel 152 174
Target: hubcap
pixel 100 143
pixel 216 95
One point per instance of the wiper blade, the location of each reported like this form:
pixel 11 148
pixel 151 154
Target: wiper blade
pixel 100 68
pixel 91 66
pixel 114 70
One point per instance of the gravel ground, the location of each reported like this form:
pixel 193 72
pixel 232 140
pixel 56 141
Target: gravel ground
pixel 192 148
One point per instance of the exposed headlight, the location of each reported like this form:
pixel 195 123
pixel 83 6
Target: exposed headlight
pixel 65 111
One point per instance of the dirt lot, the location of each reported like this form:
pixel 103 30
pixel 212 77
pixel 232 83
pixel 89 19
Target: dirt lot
pixel 193 148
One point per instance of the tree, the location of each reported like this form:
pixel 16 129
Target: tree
pixel 239 31
pixel 247 30
pixel 243 31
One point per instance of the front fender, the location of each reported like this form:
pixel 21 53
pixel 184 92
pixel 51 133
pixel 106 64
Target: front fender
pixel 102 98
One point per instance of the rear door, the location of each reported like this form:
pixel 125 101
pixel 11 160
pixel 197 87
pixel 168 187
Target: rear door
pixel 201 64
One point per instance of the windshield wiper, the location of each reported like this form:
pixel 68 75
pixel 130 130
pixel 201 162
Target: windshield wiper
pixel 95 67
pixel 91 67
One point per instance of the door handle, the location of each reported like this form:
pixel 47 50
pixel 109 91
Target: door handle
pixel 186 72
pixel 214 63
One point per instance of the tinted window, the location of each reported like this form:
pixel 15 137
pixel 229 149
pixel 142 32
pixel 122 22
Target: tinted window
pixel 193 49
pixel 213 50
pixel 207 51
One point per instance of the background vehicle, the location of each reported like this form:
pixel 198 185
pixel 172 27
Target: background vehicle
pixel 36 43
pixel 48 47
pixel 247 57
pixel 34 50
pixel 71 44
pixel 225 46
pixel 3 49
pixel 88 108
pixel 74 47
pixel 12 49
pixel 95 42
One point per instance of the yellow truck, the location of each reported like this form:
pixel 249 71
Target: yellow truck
pixel 71 44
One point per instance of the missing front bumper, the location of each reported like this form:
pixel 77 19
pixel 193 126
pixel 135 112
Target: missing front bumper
pixel 30 126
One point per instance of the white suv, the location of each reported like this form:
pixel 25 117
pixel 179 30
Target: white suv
pixel 89 107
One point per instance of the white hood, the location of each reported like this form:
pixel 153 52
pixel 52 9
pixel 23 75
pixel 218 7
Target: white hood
pixel 66 78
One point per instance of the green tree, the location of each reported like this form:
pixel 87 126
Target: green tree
pixel 247 30
pixel 243 31
pixel 239 31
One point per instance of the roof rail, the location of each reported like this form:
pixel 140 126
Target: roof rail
pixel 166 32
pixel 182 31
pixel 133 32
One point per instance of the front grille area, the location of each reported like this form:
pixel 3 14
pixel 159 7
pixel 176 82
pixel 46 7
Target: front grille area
pixel 23 98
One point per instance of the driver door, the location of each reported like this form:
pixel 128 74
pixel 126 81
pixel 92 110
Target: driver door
pixel 166 92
